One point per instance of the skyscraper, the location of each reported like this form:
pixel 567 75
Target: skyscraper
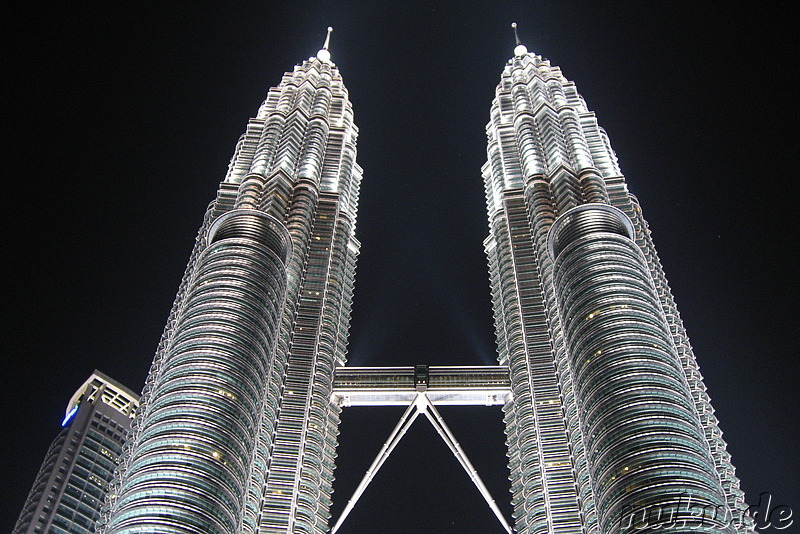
pixel 237 432
pixel 610 420
pixel 607 417
pixel 72 483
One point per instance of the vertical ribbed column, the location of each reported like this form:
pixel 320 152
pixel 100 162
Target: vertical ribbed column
pixel 539 163
pixel 709 422
pixel 646 450
pixel 321 221
pixel 189 468
pixel 542 479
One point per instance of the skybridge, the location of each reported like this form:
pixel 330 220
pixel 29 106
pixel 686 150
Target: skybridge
pixel 398 386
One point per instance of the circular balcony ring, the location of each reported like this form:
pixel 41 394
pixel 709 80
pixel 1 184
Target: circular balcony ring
pixel 256 225
pixel 585 219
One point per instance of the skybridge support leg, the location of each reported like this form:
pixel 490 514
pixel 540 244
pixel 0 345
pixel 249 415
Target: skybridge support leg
pixel 409 416
pixel 444 431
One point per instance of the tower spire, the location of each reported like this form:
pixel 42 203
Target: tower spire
pixel 520 49
pixel 324 54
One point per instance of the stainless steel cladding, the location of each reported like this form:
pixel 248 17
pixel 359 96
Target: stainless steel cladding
pixel 644 444
pixel 237 433
pixel 602 372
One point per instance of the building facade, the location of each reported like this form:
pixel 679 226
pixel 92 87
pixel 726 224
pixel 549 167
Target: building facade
pixel 71 485
pixel 610 428
pixel 607 418
pixel 237 432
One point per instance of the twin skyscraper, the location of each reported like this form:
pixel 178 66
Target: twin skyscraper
pixel 608 423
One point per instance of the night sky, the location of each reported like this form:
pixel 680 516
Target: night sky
pixel 120 122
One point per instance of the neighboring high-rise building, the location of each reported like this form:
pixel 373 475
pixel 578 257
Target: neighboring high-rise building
pixel 69 490
pixel 237 431
pixel 608 423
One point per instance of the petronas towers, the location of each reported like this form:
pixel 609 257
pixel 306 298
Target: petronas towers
pixel 608 424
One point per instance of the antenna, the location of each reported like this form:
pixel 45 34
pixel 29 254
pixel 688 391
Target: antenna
pixel 520 49
pixel 327 38
pixel 323 55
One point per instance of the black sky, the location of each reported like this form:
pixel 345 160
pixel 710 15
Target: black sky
pixel 121 119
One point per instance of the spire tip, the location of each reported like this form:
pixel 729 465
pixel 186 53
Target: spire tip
pixel 328 38
pixel 324 54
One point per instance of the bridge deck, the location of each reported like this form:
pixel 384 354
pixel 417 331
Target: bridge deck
pixel 398 386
